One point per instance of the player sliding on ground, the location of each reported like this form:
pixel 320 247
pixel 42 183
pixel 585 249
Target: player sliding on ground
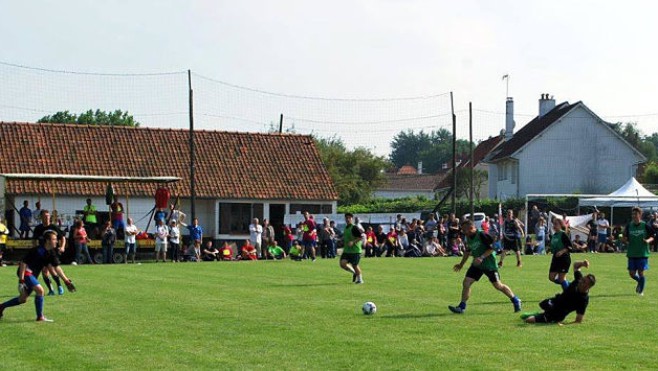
pixel 480 245
pixel 574 298
pixel 37 260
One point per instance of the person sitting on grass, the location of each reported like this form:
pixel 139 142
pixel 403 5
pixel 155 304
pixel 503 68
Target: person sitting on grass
pixel 226 252
pixel 574 298
pixel 578 244
pixel 274 251
pixel 248 251
pixel 296 251
pixel 210 252
pixel 434 248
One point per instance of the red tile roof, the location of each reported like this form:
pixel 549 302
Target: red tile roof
pixel 415 182
pixel 407 170
pixel 228 165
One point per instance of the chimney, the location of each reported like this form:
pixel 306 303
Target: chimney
pixel 546 104
pixel 420 167
pixel 509 118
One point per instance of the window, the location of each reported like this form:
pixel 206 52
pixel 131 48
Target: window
pixel 514 172
pixel 234 218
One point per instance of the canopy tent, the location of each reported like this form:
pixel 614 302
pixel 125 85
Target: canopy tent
pixel 630 194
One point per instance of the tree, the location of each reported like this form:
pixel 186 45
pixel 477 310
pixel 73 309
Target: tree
pixel 433 149
pixel 634 137
pixel 356 174
pixel 98 117
pixel 650 174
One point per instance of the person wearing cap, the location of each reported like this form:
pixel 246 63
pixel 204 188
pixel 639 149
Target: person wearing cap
pixel 574 298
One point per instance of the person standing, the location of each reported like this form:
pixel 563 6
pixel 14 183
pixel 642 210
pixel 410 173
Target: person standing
pixel 540 233
pixel 25 215
pixel 116 215
pixel 130 239
pixel 638 235
pixel 512 235
pixel 480 246
pixel 326 236
pixel 561 251
pixel 4 232
pixel 256 236
pixel 36 213
pixel 308 236
pixel 108 238
pixel 196 236
pixel 161 235
pixel 592 233
pixel 602 226
pixel 654 226
pixel 37 260
pixel 81 239
pixel 353 243
pixel 174 240
pixel 574 298
pixel 268 235
pixel 89 212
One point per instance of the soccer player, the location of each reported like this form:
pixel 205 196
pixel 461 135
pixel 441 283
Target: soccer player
pixel 37 239
pixel 561 250
pixel 638 235
pixel 353 239
pixel 574 298
pixel 480 246
pixel 35 261
pixel 512 234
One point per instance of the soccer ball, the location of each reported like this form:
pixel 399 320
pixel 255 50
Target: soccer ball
pixel 369 308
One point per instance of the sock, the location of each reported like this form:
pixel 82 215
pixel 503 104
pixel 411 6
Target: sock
pixel 462 305
pixel 636 278
pixel 515 300
pixel 642 281
pixel 57 281
pixel 11 303
pixel 565 284
pixel 38 304
pixel 48 283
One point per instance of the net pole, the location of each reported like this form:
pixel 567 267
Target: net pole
pixel 470 134
pixel 192 157
pixel 454 155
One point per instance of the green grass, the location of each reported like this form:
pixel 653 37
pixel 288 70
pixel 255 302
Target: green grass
pixel 303 315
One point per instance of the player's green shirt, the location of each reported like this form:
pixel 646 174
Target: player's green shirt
pixel 348 236
pixel 557 242
pixel 637 233
pixel 478 245
pixel 275 250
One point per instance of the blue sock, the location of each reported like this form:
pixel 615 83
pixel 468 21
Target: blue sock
pixel 636 278
pixel 38 304
pixel 642 281
pixel 515 300
pixel 565 284
pixel 462 305
pixel 11 303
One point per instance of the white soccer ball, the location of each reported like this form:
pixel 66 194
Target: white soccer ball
pixel 369 308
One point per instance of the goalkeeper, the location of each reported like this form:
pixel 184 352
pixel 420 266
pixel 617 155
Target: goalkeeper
pixel 37 259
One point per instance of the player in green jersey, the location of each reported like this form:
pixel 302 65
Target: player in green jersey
pixel 480 246
pixel 638 235
pixel 353 239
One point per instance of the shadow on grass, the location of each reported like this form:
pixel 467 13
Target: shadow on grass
pixel 306 284
pixel 418 315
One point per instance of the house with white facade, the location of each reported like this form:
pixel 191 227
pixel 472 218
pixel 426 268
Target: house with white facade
pixel 567 148
pixel 408 182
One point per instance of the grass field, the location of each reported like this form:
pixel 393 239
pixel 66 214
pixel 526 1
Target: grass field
pixel 304 315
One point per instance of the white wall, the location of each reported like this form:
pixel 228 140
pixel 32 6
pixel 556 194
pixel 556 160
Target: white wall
pixel 392 194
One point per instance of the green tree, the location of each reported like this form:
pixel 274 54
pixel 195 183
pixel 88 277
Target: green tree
pixel 90 117
pixel 650 174
pixel 646 145
pixel 356 174
pixel 464 182
pixel 433 149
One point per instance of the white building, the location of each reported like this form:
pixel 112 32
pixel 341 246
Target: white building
pixel 567 148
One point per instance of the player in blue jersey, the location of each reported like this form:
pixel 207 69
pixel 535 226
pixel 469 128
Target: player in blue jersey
pixel 35 261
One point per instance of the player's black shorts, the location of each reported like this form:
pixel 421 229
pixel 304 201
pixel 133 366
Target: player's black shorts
pixel 475 273
pixel 512 244
pixel 561 264
pixel 352 258
pixel 544 318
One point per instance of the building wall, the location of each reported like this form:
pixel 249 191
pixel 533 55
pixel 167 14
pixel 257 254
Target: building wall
pixel 577 154
pixel 392 194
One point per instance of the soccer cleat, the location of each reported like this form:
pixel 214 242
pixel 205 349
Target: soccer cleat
pixel 517 305
pixel 51 293
pixel 44 319
pixel 519 265
pixel 358 281
pixel 60 290
pixel 637 288
pixel 456 310
pixel 353 277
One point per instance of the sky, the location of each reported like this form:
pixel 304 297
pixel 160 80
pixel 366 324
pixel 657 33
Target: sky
pixel 363 53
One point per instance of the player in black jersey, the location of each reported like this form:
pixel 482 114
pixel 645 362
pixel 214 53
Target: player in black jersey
pixel 37 236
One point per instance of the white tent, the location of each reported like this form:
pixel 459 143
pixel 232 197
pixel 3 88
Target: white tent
pixel 630 194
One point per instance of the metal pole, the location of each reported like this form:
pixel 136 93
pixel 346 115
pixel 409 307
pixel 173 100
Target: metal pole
pixel 470 134
pixel 281 124
pixel 192 157
pixel 454 155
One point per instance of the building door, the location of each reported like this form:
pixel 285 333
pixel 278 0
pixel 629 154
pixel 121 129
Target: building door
pixel 277 214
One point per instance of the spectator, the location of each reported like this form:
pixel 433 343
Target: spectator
pixel 4 232
pixel 160 214
pixel 453 235
pixel 371 242
pixel 26 217
pixel 308 236
pixel 80 241
pixel 274 251
pixel 226 252
pixel 494 232
pixel 255 236
pixel 433 248
pixel 36 214
pixel 381 241
pixel 592 233
pixel 540 235
pixel 288 237
pixel 529 245
pixel 578 244
pixel 296 251
pixel 485 225
pixel 210 252
pixel 196 236
pixel 534 217
pixel 602 226
pixel 89 217
pixel 654 226
pixel 403 241
pixel 430 225
pixel 175 214
pixel 108 238
pixel 116 215
pixel 130 239
pixel 326 236
pixel 268 233
pixel 248 251
pixel 391 242
pixel 174 239
pixel 441 230
pixel 161 236
pixel 338 235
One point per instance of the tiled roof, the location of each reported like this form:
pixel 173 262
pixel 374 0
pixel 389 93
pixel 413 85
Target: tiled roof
pixel 530 131
pixel 479 153
pixel 415 182
pixel 228 165
pixel 407 170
